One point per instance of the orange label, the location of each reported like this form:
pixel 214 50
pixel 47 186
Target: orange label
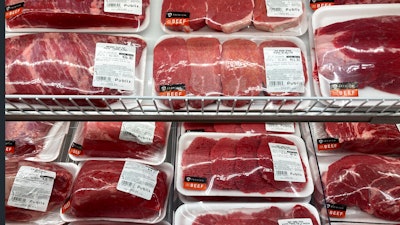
pixel 325 144
pixel 76 149
pixel 14 10
pixel 194 186
pixel 171 22
pixel 173 93
pixel 173 90
pixel 337 213
pixel 10 146
pixel 66 206
pixel 346 89
pixel 316 5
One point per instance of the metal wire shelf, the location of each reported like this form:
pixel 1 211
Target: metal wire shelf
pixel 144 108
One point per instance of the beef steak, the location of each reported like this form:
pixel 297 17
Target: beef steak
pixel 195 8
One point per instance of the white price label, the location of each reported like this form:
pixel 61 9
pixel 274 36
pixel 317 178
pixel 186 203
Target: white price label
pixel 114 66
pixel 284 8
pixel 297 221
pixel 32 188
pixel 138 179
pixel 287 163
pixel 140 132
pixel 280 127
pixel 123 6
pixel 284 69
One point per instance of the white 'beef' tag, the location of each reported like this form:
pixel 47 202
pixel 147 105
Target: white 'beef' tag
pixel 287 163
pixel 123 6
pixel 32 188
pixel 284 69
pixel 280 127
pixel 297 221
pixel 284 8
pixel 140 132
pixel 114 66
pixel 138 179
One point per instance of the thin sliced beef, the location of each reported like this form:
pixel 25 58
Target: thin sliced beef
pixel 262 21
pixel 59 64
pixel 171 67
pixel 241 72
pixel 195 8
pixel 369 182
pixel 61 189
pixel 230 15
pixel 63 14
pixel 228 128
pixel 95 194
pixel 364 50
pixel 204 56
pixel 223 155
pixel 366 137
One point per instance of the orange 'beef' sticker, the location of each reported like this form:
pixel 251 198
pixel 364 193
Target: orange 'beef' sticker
pixel 326 144
pixel 346 89
pixel 66 206
pixel 195 183
pixel 177 19
pixel 316 4
pixel 10 146
pixel 173 90
pixel 336 210
pixel 76 149
pixel 14 10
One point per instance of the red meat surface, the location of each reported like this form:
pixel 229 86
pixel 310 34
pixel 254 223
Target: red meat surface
pixel 41 64
pixel 61 189
pixel 204 127
pixel 262 21
pixel 228 127
pixel 196 8
pixel 366 137
pixel 95 194
pixel 29 137
pixel 223 154
pixel 171 66
pixel 364 50
pixel 208 219
pixel 241 73
pixel 72 14
pixel 253 127
pixel 204 79
pixel 369 182
pixel 299 211
pixel 101 139
pixel 230 15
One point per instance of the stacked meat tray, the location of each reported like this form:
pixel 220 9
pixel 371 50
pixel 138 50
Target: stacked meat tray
pixel 191 173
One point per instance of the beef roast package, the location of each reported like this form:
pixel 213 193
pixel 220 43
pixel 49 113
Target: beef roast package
pixel 124 191
pixel 230 16
pixel 242 165
pixel 35 191
pixel 85 15
pixel 144 142
pixel 361 188
pixel 41 64
pixel 243 66
pixel 246 213
pixel 34 140
pixel 363 137
pixel 357 52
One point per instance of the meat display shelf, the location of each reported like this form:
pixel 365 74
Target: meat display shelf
pixel 269 109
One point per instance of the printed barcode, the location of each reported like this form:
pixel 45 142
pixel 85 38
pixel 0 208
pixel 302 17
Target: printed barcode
pixel 281 172
pixel 127 183
pixel 276 9
pixel 114 4
pixel 275 83
pixel 102 78
pixel 19 199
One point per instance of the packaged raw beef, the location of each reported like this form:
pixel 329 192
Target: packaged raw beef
pixel 361 188
pixel 246 213
pixel 183 15
pixel 263 128
pixel 244 66
pixel 363 137
pixel 34 140
pixel 357 54
pixel 41 64
pixel 123 191
pixel 144 142
pixel 242 165
pixel 100 15
pixel 35 191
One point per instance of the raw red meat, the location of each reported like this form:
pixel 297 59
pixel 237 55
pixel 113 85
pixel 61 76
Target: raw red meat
pixel 61 189
pixel 204 79
pixel 228 128
pixel 241 72
pixel 346 2
pixel 223 164
pixel 101 139
pixel 95 194
pixel 72 14
pixel 230 15
pixel 196 8
pixel 41 64
pixel 204 127
pixel 299 211
pixel 364 50
pixel 29 137
pixel 366 137
pixel 262 21
pixel 171 66
pixel 253 127
pixel 280 43
pixel 369 182
pixel 208 219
